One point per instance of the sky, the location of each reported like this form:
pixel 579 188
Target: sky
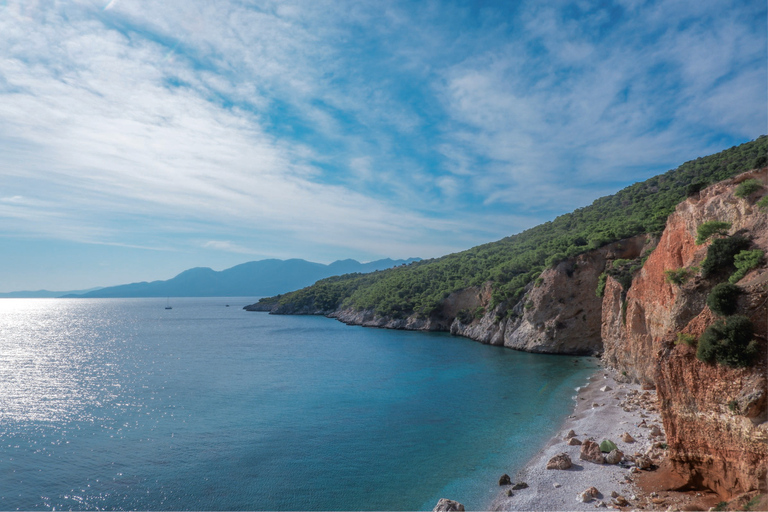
pixel 140 138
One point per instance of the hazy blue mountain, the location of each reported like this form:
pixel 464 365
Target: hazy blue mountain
pixel 42 294
pixel 255 278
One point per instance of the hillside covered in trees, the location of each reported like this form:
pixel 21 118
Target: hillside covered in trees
pixel 513 262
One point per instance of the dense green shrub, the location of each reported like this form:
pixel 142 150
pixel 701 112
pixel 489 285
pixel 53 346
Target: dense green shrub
pixel 722 298
pixel 728 343
pixel 720 254
pixel 746 188
pixel 744 262
pixel 620 262
pixel 763 203
pixel 709 228
pixel 695 188
pixel 678 277
pixel 601 279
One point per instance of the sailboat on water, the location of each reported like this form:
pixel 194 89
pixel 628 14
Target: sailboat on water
pixel 168 303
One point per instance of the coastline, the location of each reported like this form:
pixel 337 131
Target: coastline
pixel 605 409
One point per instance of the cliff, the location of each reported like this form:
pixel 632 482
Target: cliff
pixel 714 415
pixel 559 315
pixel 652 312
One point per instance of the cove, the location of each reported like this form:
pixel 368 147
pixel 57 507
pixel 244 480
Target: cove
pixel 121 404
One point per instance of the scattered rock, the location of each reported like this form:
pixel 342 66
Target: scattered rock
pixel 614 457
pixel 573 442
pixel 620 501
pixel 642 462
pixel 446 505
pixel 505 480
pixel 614 494
pixel 519 485
pixel 606 388
pixel 569 435
pixel 588 495
pixel 510 493
pixel 559 461
pixel 655 430
pixel 590 451
pixel 556 485
pixel 627 438
pixel 601 504
pixel 607 446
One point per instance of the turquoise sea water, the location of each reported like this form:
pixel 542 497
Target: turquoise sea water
pixel 122 404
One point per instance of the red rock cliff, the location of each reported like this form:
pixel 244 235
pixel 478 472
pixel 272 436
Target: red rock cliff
pixel 714 416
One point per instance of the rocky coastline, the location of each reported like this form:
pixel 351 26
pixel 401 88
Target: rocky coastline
pixel 651 308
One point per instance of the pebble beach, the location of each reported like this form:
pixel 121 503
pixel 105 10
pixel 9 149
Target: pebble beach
pixel 623 413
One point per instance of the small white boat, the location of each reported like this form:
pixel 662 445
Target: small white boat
pixel 168 304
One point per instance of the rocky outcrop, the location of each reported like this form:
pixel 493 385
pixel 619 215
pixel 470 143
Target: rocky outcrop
pixel 562 315
pixel 714 416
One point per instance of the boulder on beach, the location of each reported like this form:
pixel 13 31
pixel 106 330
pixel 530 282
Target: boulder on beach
pixel 559 461
pixel 519 485
pixel 642 462
pixel 590 451
pixel 569 435
pixel 606 388
pixel 573 442
pixel 606 446
pixel 446 505
pixel 505 480
pixel 588 495
pixel 627 438
pixel 614 457
pixel 655 431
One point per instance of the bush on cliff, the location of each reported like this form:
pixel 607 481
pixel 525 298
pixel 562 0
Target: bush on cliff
pixel 728 343
pixel 601 280
pixel 722 299
pixel 747 187
pixel 721 253
pixel 709 228
pixel 744 262
pixel 677 276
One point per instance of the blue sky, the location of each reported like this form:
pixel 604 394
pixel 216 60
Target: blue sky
pixel 140 138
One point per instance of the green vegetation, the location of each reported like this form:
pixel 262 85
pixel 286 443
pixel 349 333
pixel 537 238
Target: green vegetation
pixel 601 279
pixel 744 262
pixel 753 503
pixel 733 406
pixel 512 263
pixel 728 342
pixel 686 339
pixel 747 187
pixel 763 203
pixel 620 262
pixel 709 228
pixel 720 254
pixel 678 277
pixel 722 298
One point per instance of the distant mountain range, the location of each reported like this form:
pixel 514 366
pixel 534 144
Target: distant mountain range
pixel 42 294
pixel 252 279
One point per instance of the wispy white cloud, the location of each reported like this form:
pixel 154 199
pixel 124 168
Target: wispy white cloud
pixel 354 128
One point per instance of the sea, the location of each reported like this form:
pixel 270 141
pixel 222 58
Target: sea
pixel 122 404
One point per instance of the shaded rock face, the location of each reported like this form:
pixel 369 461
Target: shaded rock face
pixel 562 315
pixel 714 416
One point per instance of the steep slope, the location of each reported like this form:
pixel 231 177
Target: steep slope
pixel 490 293
pixel 715 416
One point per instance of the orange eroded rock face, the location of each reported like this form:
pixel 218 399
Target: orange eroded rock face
pixel 714 416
